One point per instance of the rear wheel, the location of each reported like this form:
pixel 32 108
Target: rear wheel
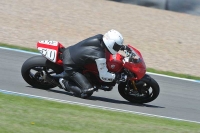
pixel 147 90
pixel 32 71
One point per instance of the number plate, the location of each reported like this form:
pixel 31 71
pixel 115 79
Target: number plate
pixel 48 53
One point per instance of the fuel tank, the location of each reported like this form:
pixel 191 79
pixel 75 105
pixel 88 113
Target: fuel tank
pixel 114 62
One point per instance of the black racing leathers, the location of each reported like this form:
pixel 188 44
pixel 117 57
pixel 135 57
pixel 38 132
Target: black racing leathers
pixel 86 51
pixel 80 54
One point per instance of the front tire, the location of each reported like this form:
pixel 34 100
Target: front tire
pixel 32 68
pixel 143 93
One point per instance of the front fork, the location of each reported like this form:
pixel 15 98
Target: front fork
pixel 134 86
pixel 142 87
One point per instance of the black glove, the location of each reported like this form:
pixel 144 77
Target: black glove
pixel 124 47
pixel 127 50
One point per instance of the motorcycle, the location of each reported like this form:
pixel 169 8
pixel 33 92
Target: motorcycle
pixel 134 84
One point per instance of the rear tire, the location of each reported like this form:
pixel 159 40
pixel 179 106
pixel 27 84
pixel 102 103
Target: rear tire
pixel 38 64
pixel 148 96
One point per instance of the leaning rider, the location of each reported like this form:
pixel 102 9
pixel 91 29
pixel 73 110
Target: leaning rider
pixel 90 50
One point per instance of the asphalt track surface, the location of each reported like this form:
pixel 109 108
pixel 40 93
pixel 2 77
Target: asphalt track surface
pixel 178 98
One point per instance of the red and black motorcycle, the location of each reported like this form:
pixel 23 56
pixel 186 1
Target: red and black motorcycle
pixel 138 87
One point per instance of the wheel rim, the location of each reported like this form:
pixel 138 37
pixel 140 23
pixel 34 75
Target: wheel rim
pixel 36 74
pixel 143 92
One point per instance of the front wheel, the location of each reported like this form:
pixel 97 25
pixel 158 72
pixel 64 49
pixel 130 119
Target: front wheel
pixel 147 90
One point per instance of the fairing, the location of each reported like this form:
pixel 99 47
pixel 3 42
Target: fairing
pixel 139 69
pixel 50 50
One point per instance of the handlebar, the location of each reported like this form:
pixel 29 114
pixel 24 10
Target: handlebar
pixel 132 56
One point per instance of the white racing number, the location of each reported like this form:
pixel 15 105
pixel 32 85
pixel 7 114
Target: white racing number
pixel 48 53
pixel 48 42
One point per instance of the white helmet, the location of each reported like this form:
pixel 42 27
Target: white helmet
pixel 113 41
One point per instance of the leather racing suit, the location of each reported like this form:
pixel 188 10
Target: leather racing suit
pixel 90 50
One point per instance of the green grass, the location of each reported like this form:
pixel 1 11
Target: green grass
pixel 148 69
pixel 18 47
pixel 29 115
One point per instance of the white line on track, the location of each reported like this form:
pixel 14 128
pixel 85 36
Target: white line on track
pixel 95 106
pixel 18 50
pixel 197 81
pixel 92 106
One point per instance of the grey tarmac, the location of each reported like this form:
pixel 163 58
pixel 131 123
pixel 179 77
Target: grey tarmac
pixel 177 99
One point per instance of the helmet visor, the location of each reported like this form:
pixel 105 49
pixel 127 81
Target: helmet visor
pixel 117 47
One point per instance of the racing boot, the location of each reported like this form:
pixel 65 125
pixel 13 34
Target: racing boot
pixel 79 85
pixel 69 86
pixel 82 82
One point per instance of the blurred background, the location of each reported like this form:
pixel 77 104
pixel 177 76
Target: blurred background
pixel 184 6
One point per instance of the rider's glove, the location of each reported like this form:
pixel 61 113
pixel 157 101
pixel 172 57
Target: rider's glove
pixel 124 47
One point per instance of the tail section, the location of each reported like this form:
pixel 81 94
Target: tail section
pixel 50 50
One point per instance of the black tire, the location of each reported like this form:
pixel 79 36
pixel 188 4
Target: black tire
pixel 38 63
pixel 150 83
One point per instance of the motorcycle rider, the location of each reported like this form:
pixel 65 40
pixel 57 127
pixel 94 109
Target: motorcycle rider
pixel 90 50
